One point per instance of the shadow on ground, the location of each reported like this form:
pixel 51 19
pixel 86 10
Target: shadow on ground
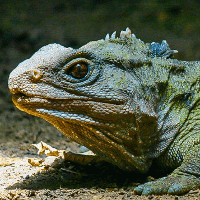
pixel 71 175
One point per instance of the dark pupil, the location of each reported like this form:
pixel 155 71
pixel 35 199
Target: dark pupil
pixel 78 71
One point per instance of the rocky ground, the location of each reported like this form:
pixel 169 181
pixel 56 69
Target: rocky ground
pixel 26 26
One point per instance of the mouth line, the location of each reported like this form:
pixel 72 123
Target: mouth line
pixel 23 102
pixel 59 108
pixel 25 97
pixel 20 97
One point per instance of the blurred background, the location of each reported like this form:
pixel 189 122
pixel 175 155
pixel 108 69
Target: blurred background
pixel 26 26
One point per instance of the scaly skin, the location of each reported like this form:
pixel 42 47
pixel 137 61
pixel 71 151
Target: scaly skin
pixel 126 101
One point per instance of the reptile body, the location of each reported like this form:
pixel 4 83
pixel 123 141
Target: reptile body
pixel 127 101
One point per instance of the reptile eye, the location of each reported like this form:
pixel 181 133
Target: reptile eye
pixel 78 71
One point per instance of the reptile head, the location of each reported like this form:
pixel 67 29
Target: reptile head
pixel 103 96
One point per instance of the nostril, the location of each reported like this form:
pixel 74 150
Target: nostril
pixel 37 75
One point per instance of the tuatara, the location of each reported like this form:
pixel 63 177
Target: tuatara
pixel 127 101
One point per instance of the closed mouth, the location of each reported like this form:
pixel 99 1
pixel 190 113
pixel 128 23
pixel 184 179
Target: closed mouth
pixel 22 99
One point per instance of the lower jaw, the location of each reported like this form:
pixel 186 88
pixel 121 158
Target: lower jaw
pixel 71 129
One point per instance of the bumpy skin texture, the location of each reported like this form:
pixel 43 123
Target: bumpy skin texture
pixel 125 100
